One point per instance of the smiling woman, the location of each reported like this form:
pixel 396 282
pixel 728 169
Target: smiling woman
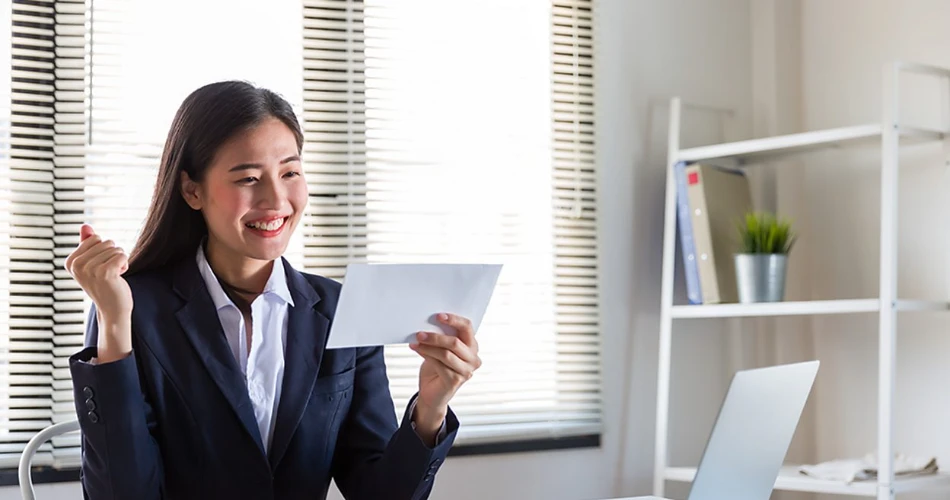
pixel 244 166
pixel 205 372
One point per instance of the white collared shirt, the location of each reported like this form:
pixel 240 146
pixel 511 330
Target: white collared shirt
pixel 263 367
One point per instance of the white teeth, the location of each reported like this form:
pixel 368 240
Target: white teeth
pixel 269 226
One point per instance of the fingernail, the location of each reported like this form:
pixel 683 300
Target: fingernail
pixel 413 345
pixel 443 316
pixel 423 335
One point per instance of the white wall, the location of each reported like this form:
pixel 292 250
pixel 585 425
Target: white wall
pixel 845 44
pixel 648 51
pixel 651 51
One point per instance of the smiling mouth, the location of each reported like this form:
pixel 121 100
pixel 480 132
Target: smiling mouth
pixel 271 225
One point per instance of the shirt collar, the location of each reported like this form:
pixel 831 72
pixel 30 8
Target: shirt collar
pixel 276 285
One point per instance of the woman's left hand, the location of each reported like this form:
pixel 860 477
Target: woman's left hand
pixel 449 361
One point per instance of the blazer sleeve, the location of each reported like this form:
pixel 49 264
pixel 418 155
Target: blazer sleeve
pixel 374 457
pixel 120 456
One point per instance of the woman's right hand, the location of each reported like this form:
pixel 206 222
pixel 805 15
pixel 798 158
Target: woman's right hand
pixel 98 266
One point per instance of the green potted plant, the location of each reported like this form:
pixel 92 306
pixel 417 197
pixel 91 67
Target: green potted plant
pixel 761 263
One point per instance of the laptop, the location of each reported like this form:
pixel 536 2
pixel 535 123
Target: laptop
pixel 752 433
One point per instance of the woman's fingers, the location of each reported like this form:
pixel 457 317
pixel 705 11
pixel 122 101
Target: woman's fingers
pixel 448 342
pixel 85 232
pixel 92 254
pixel 81 250
pixel 121 262
pixel 97 266
pixel 447 360
pixel 109 263
pixel 462 325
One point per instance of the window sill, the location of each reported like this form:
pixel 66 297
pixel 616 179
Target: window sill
pixel 532 445
pixel 48 475
pixel 41 475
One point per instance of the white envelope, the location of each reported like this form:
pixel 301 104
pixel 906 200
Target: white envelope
pixel 383 304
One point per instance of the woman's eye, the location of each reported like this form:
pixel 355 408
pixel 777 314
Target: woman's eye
pixel 247 180
pixel 293 173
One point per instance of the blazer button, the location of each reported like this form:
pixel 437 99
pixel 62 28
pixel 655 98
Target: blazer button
pixel 87 391
pixel 90 404
pixel 93 417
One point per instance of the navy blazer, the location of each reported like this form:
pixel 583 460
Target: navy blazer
pixel 174 419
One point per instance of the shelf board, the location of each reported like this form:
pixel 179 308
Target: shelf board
pixel 922 305
pixel 789 479
pixel 776 146
pixel 800 308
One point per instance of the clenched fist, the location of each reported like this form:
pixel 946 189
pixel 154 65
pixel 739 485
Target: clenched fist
pixel 97 266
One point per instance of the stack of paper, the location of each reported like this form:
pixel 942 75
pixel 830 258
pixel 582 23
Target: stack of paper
pixel 851 470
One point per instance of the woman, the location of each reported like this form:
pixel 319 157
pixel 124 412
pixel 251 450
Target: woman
pixel 216 384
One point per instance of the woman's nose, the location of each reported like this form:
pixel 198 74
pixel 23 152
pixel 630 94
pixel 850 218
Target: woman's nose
pixel 272 196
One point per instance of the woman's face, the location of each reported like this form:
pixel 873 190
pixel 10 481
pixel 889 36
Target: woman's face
pixel 253 193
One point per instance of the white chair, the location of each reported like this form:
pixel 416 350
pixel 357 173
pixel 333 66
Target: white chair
pixel 26 459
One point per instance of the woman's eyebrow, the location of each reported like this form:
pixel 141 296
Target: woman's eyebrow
pixel 245 166
pixel 250 166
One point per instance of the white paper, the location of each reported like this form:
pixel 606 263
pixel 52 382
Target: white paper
pixel 384 304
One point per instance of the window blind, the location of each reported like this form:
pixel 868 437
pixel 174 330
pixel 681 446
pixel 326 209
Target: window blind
pixel 433 133
pixel 26 244
pixel 69 146
pixel 446 133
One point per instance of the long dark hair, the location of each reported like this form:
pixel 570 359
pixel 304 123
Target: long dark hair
pixel 207 118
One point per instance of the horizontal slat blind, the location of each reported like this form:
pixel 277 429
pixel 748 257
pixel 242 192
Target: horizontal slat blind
pixel 334 121
pixel 124 144
pixel 71 69
pixel 446 133
pixel 7 414
pixel 575 218
pixel 26 312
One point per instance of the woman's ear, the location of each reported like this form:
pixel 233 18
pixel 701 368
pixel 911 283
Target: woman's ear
pixel 190 191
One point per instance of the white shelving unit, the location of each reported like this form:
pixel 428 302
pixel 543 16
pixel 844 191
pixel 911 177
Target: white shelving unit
pixel 890 134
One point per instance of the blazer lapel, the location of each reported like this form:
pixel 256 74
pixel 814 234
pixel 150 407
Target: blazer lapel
pixel 200 322
pixel 306 337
